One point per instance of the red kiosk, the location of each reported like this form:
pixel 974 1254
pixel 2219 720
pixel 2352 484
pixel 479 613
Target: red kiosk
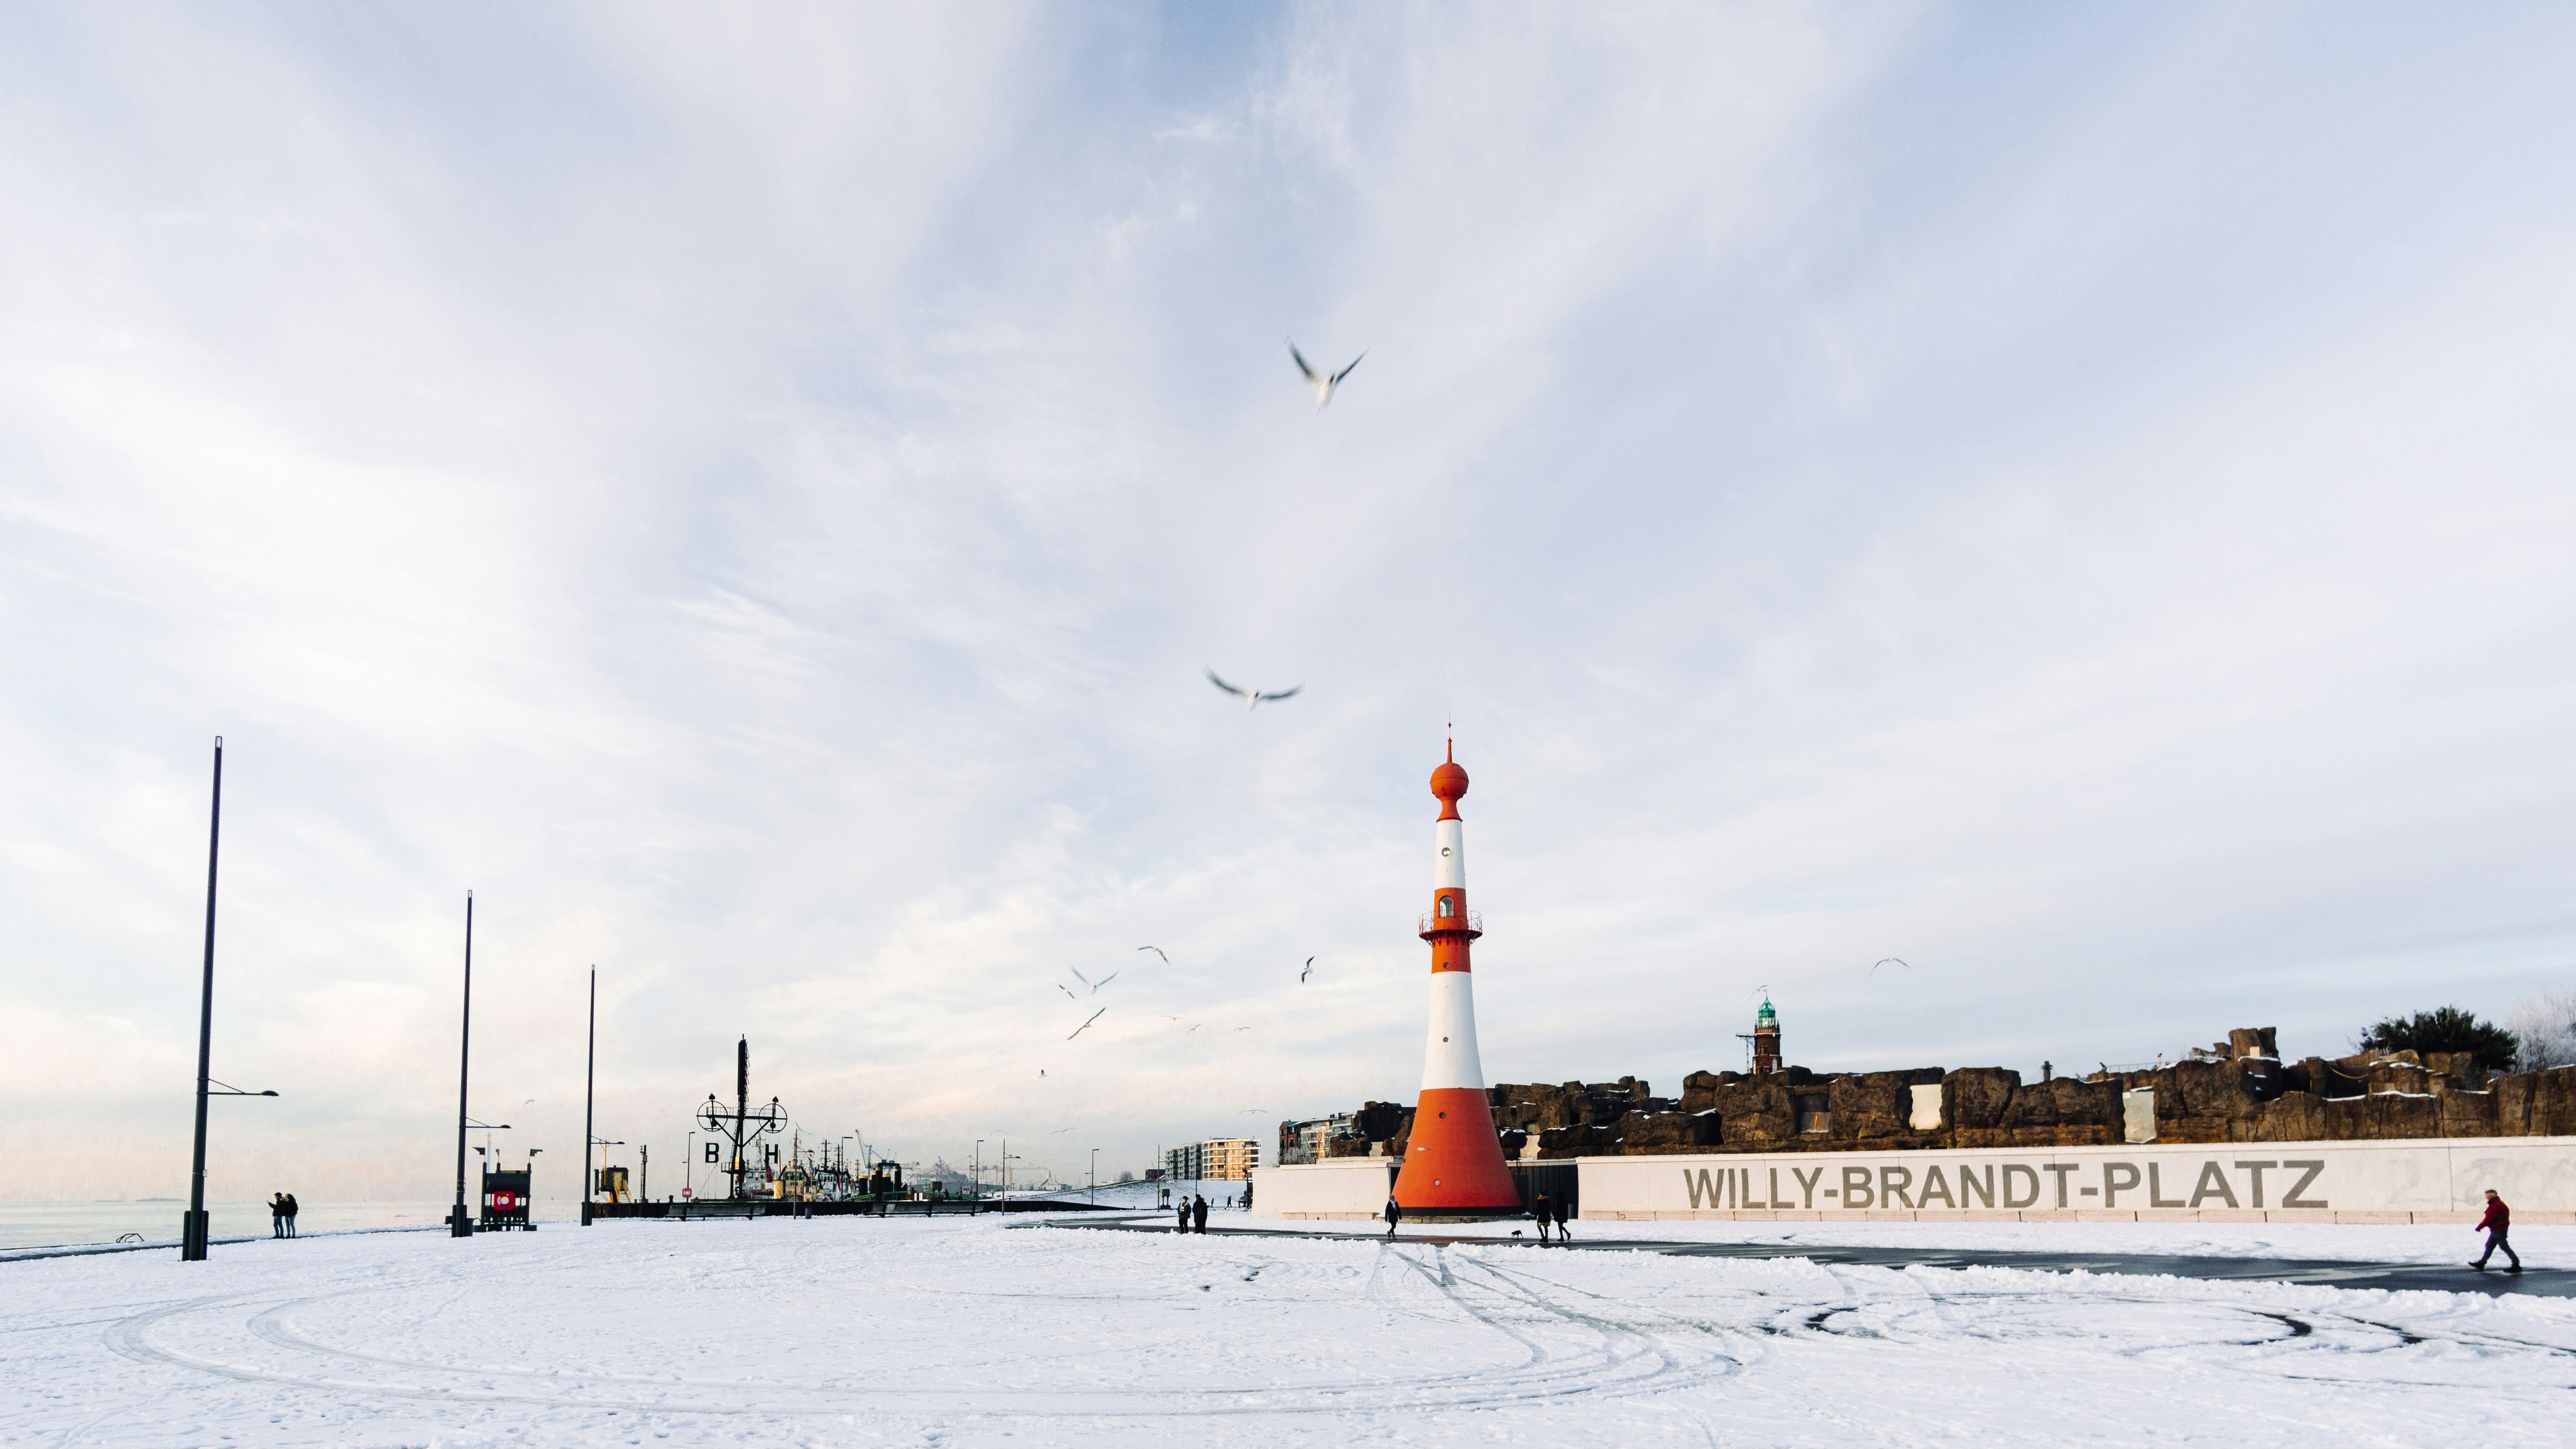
pixel 505 1201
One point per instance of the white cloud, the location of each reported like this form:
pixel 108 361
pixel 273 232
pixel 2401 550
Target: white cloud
pixel 753 501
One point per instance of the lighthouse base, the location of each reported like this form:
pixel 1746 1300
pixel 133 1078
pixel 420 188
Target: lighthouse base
pixel 1453 1162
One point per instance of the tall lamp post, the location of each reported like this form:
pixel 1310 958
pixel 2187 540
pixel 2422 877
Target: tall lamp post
pixel 192 1228
pixel 459 1223
pixel 589 1079
pixel 1092 1194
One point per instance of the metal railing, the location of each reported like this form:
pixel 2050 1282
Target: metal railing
pixel 1433 921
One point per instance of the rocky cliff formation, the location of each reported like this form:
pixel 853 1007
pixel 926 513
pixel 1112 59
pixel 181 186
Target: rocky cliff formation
pixel 2236 1091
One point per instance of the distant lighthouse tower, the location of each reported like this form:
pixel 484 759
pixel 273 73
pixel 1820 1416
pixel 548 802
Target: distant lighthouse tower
pixel 1453 1162
pixel 1766 1039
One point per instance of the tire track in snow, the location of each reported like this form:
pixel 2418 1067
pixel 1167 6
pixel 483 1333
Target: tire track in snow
pixel 578 1389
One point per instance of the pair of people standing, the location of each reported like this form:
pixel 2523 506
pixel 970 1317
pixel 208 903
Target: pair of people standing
pixel 1549 1212
pixel 281 1215
pixel 1193 1213
pixel 1543 1210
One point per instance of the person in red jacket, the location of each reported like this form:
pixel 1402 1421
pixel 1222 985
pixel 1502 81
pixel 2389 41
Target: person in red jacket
pixel 2495 1224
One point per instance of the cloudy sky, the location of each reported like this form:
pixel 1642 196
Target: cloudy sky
pixel 2077 499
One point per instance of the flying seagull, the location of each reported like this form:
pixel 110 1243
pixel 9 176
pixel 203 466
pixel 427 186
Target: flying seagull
pixel 1087 981
pixel 1252 698
pixel 1086 1025
pixel 1309 971
pixel 1157 950
pixel 1893 961
pixel 1068 992
pixel 1321 383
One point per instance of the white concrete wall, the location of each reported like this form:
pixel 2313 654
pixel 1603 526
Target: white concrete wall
pixel 1340 1189
pixel 2439 1180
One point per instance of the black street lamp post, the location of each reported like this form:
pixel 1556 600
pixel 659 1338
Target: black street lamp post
pixel 192 1228
pixel 192 1232
pixel 589 1077
pixel 460 1224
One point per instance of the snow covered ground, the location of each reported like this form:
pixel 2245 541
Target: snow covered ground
pixel 982 1331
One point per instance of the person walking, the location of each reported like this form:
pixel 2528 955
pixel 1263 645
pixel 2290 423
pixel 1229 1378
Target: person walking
pixel 277 1214
pixel 1198 1213
pixel 1183 1208
pixel 1394 1214
pixel 1561 1238
pixel 2497 1222
pixel 1538 1210
pixel 290 1215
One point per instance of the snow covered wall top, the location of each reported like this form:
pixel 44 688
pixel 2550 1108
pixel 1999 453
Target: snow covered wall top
pixel 2247 1099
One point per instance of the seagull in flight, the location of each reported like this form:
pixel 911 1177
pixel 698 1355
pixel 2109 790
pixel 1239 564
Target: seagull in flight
pixel 1252 699
pixel 1893 961
pixel 1157 950
pixel 1309 971
pixel 1086 1025
pixel 1087 981
pixel 1068 992
pixel 1322 383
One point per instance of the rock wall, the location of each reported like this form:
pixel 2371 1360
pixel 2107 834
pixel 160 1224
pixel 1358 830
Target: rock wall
pixel 2237 1091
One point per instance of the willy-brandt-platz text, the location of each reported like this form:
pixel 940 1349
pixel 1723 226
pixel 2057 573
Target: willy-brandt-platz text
pixel 2013 1185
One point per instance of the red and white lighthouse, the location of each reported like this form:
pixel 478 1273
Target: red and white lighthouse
pixel 1453 1162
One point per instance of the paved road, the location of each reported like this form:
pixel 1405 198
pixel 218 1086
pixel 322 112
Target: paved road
pixel 2324 1273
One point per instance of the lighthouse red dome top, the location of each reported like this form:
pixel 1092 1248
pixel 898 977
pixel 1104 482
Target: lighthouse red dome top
pixel 1449 782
